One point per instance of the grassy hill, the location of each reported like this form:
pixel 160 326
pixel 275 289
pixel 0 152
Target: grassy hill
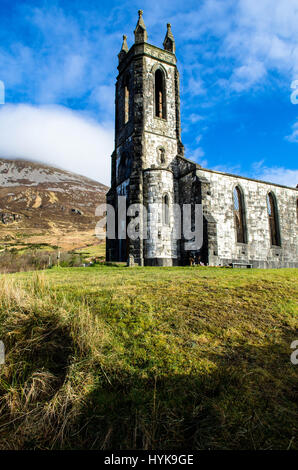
pixel 148 358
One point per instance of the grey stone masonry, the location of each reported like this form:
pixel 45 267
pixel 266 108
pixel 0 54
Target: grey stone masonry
pixel 149 168
pixel 258 250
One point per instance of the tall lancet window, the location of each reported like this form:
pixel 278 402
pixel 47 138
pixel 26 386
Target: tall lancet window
pixel 165 210
pixel 160 98
pixel 273 219
pixel 239 215
pixel 126 99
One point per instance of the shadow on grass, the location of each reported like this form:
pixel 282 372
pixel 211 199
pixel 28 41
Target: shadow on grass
pixel 248 401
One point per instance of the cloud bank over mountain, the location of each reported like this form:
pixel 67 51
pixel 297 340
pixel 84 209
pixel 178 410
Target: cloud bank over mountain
pixel 57 136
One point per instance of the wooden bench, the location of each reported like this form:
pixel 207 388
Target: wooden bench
pixel 241 265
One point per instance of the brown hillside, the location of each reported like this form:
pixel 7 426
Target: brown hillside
pixel 42 204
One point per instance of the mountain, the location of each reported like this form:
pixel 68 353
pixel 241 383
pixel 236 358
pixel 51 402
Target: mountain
pixel 43 204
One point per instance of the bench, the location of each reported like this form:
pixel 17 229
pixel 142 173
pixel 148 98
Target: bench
pixel 241 265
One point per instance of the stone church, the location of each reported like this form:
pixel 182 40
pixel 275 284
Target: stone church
pixel 246 223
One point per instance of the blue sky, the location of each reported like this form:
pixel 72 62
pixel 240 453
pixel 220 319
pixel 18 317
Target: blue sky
pixel 236 58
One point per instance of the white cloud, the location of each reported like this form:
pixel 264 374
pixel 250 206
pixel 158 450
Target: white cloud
pixel 293 137
pixel 278 175
pixel 57 136
pixel 104 97
pixel 232 169
pixel 243 40
pixel 265 32
pixel 197 156
pixel 196 86
pixel 195 118
pixel 68 58
pixel 66 80
pixel 247 75
pixel 259 171
pixel 199 138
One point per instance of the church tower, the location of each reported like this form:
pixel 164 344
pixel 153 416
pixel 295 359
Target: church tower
pixel 147 143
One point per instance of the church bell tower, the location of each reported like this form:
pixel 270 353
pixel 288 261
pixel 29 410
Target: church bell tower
pixel 147 142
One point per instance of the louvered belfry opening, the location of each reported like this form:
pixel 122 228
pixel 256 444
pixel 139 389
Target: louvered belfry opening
pixel 126 99
pixel 160 105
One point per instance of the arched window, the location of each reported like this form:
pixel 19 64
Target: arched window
pixel 126 99
pixel 160 98
pixel 239 215
pixel 273 219
pixel 165 210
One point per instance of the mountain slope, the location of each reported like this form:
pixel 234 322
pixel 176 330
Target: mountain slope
pixel 43 204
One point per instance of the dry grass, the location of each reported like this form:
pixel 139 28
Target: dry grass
pixel 68 238
pixel 148 358
pixel 40 389
pixel 36 258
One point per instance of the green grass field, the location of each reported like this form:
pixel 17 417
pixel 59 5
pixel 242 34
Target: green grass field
pixel 148 358
pixel 94 250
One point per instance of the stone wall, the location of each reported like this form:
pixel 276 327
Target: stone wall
pixel 160 244
pixel 258 250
